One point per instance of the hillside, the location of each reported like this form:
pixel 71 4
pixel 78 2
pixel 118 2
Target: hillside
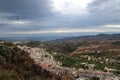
pixel 69 45
pixel 101 56
pixel 17 65
pixel 93 37
pixel 99 48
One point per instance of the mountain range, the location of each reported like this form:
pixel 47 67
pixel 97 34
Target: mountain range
pixel 92 37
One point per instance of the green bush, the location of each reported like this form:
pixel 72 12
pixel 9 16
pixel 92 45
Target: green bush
pixel 6 52
pixel 9 44
pixel 94 78
pixel 116 43
pixel 2 60
pixel 7 75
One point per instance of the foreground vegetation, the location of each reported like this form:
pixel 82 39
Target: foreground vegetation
pixel 17 65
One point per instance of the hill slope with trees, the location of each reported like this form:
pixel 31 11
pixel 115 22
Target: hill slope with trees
pixel 16 64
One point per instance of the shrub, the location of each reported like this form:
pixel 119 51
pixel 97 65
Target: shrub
pixel 2 60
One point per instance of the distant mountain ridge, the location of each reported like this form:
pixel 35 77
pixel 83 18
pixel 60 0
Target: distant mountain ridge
pixel 93 37
pixel 63 38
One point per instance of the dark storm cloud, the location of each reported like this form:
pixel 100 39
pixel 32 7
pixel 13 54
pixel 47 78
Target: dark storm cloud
pixel 26 8
pixel 19 15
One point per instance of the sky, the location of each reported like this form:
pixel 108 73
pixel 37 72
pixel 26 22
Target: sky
pixel 27 18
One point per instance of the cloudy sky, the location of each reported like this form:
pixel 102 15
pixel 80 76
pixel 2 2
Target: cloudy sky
pixel 58 17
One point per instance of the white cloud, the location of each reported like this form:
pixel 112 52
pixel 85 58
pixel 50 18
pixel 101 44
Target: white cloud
pixel 71 6
pixel 55 31
pixel 106 8
pixel 112 26
pixel 59 31
pixel 5 15
pixel 5 18
pixel 14 22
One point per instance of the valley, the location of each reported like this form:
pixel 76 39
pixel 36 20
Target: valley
pixel 73 59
